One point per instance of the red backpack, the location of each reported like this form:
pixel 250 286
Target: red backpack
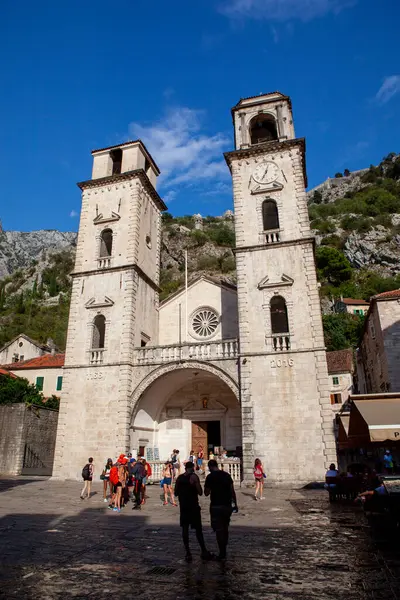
pixel 114 478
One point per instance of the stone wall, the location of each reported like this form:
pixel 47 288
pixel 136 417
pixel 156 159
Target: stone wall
pixel 30 432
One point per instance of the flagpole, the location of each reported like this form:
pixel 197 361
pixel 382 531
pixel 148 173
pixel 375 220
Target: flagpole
pixel 186 296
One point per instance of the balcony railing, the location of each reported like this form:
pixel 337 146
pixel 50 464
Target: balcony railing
pixel 104 262
pixel 96 356
pixel 220 350
pixel 272 236
pixel 281 342
pixel 231 466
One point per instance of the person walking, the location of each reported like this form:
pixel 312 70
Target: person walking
pixel 121 483
pixel 148 471
pixel 188 490
pixel 219 485
pixel 87 476
pixel 105 476
pixel 259 476
pixel 167 483
pixel 200 458
pixel 176 464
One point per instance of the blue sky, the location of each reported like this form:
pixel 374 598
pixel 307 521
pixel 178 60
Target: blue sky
pixel 82 75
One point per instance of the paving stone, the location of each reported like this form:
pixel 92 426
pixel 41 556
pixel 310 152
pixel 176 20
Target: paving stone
pixel 294 545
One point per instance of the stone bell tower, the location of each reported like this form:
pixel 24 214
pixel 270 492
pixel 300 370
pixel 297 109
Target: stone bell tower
pixel 114 305
pixel 286 415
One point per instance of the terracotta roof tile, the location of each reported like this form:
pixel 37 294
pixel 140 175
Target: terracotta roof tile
pixel 5 372
pixel 340 361
pixel 45 361
pixel 392 295
pixel 354 301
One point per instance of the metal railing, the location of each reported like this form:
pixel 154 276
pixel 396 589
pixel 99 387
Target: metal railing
pixel 222 349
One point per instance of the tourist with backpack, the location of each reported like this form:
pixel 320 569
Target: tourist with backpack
pixel 87 476
pixel 139 473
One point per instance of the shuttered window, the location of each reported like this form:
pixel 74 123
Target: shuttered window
pixel 59 383
pixel 39 383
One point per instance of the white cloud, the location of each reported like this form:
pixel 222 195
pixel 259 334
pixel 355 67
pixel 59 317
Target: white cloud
pixel 389 88
pixel 183 152
pixel 282 10
pixel 73 213
pixel 169 196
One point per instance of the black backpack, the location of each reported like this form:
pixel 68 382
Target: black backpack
pixel 86 472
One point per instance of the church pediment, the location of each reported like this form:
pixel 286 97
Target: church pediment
pixel 266 283
pixel 101 219
pixel 92 303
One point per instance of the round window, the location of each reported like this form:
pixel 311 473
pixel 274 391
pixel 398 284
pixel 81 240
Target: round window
pixel 21 344
pixel 205 322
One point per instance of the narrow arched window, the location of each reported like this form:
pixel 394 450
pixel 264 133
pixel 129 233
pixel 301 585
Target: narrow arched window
pixel 279 316
pixel 270 215
pixel 106 242
pixel 263 129
pixel 99 332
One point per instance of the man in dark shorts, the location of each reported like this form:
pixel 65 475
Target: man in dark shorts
pixel 223 502
pixel 188 490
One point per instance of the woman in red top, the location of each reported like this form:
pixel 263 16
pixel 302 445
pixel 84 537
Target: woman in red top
pixel 200 458
pixel 259 478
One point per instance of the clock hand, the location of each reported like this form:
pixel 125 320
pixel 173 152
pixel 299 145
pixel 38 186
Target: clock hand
pixel 265 172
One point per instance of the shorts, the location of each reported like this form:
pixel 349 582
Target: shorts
pixel 220 517
pixel 116 486
pixel 259 479
pixel 191 518
pixel 87 478
pixel 144 482
pixel 199 461
pixel 167 480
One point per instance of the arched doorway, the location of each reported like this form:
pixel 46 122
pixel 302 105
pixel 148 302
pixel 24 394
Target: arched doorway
pixel 186 408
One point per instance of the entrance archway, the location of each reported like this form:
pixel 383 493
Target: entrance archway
pixel 185 407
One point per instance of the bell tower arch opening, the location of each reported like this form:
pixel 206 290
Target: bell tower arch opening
pixel 263 128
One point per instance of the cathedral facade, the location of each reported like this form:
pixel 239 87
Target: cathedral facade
pixel 241 367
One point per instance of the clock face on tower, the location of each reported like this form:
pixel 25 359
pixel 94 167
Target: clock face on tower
pixel 266 172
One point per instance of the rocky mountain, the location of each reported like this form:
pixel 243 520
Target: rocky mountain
pixel 19 248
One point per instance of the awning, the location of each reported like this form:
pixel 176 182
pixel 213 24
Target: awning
pixel 343 432
pixel 381 417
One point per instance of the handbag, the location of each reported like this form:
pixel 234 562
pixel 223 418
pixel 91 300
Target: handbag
pixel 102 476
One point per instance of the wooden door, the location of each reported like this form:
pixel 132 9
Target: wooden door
pixel 199 437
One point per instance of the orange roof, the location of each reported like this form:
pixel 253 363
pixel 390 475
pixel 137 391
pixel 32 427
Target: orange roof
pixel 393 295
pixel 5 372
pixel 45 361
pixel 340 361
pixel 354 301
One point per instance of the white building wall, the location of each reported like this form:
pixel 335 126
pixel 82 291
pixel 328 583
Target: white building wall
pixel 27 350
pixel 50 375
pixel 203 293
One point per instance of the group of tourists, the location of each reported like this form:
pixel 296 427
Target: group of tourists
pixel 124 480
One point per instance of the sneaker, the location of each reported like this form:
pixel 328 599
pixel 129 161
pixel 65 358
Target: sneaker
pixel 221 557
pixel 105 500
pixel 82 498
pixel 207 555
pixel 255 498
pixel 115 509
pixel 174 504
pixel 165 503
pixel 110 507
pixel 188 557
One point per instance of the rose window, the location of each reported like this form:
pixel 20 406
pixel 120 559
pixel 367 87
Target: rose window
pixel 205 323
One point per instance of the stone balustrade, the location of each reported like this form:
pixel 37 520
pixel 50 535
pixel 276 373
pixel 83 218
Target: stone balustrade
pixel 104 262
pixel 219 350
pixel 233 467
pixel 272 236
pixel 96 356
pixel 281 342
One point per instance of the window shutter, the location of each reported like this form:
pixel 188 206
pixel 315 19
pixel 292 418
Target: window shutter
pixel 59 383
pixel 39 383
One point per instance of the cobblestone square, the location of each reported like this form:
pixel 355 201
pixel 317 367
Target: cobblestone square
pixel 292 545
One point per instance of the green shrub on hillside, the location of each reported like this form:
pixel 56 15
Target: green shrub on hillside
pixel 332 265
pixel 342 330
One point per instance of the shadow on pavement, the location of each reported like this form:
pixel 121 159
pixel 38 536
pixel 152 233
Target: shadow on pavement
pixel 100 554
pixel 7 483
